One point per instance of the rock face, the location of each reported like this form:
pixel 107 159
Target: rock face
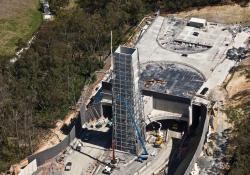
pixel 208 148
pixel 212 162
pixel 209 151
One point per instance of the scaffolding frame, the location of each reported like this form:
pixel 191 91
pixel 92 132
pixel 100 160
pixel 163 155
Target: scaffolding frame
pixel 125 83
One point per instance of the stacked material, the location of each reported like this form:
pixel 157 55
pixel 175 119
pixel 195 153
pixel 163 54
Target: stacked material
pixel 237 54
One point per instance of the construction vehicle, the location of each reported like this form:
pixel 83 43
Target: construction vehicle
pixel 109 124
pixel 107 170
pixel 158 141
pixel 143 156
pixel 68 166
pixel 159 136
pixel 98 125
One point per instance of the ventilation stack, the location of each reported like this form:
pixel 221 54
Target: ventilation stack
pixel 127 101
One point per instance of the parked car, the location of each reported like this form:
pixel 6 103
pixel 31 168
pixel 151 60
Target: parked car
pixel 107 170
pixel 68 166
pixel 109 124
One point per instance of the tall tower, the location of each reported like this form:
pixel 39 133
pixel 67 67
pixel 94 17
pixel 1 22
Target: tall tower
pixel 127 106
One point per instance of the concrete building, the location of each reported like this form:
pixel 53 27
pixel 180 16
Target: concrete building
pixel 197 22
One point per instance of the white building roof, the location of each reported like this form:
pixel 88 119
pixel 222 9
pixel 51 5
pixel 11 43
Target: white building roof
pixel 198 20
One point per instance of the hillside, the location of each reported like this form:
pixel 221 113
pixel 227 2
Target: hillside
pixel 238 112
pixel 227 14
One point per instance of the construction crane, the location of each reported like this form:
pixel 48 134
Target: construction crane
pixel 143 156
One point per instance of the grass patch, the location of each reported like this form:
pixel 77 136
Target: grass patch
pixel 17 27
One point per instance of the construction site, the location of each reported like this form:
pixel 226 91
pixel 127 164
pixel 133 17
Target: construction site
pixel 150 113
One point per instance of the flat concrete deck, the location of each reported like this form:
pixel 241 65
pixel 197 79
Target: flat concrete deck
pixel 211 63
pixel 205 62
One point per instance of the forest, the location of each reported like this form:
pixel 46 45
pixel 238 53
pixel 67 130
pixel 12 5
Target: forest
pixel 42 85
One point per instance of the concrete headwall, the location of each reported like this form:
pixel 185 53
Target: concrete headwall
pixel 165 102
pixel 171 106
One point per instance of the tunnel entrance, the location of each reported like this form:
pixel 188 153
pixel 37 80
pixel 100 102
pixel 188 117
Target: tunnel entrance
pixel 174 125
pixel 195 118
pixel 107 111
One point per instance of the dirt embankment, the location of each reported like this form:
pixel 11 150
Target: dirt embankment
pixel 238 87
pixel 228 14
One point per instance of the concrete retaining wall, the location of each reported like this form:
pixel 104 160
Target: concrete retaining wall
pixel 45 155
pixel 201 142
pixel 93 112
pixel 195 149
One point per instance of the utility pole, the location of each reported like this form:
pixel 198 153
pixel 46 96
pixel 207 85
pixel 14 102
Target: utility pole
pixel 111 50
pixel 113 161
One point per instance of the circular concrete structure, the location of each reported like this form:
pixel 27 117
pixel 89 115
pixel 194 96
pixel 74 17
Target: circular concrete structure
pixel 171 78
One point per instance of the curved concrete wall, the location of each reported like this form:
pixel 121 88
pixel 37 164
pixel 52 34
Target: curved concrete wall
pixel 84 115
pixel 187 163
pixel 47 154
